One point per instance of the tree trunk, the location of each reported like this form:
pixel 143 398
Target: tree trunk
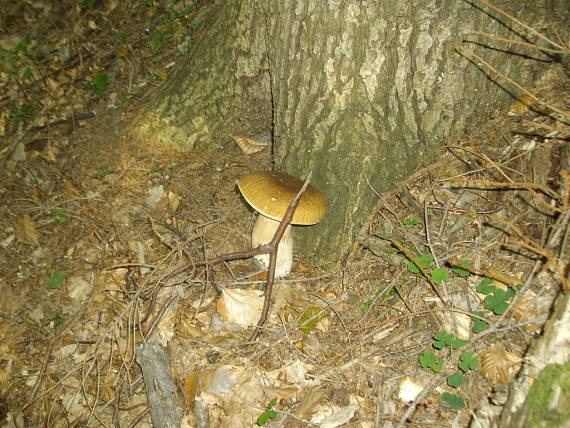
pixel 355 91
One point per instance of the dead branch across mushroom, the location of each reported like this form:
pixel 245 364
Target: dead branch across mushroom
pixel 268 248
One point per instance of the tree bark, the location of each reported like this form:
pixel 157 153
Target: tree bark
pixel 355 91
pixel 540 394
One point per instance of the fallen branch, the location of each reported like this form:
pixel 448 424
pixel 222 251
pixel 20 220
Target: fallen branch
pixel 159 384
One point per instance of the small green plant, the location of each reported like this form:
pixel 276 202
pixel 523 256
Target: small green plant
pixel 467 361
pixel 59 216
pixel 429 360
pixel 267 413
pixel 439 275
pixel 443 339
pixel 425 260
pixel 56 280
pixel 462 272
pixel 100 83
pixel 156 41
pixel 410 222
pixel 104 170
pixel 478 324
pixel 56 318
pixel 496 299
pixel 366 304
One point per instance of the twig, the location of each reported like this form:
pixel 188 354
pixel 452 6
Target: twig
pixel 470 52
pixel 424 272
pixel 272 247
pixel 519 42
pixel 522 24
pixel 490 273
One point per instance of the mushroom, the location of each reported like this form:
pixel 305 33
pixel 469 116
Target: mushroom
pixel 270 194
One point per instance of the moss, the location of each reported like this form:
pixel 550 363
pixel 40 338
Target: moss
pixel 548 401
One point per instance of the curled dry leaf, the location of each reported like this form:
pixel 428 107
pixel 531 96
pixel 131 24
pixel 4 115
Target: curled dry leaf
pixel 248 145
pixel 527 309
pixel 26 231
pixel 521 106
pixel 499 366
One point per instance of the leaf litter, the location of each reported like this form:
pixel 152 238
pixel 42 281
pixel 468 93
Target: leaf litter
pixel 338 342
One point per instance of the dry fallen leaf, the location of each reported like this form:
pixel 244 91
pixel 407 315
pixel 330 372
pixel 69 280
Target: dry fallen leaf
pixel 26 231
pixel 242 307
pixel 527 309
pixel 522 105
pixel 499 366
pixel 249 146
pixel 308 402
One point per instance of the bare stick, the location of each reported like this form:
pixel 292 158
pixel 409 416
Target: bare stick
pixel 470 52
pixel 273 246
pixel 160 388
pixel 522 24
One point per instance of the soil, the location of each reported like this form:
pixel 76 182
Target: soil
pixel 93 224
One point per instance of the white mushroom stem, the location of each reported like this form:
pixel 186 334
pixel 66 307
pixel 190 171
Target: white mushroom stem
pixel 263 231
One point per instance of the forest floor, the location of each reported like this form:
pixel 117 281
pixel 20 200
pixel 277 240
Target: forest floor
pixel 92 223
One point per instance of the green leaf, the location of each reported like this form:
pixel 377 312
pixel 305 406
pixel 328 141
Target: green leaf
pixel 410 222
pixel 459 343
pixel 438 365
pixel 366 304
pixel 57 320
pixel 479 326
pixel 439 275
pixel 427 359
pixel 485 287
pixel 468 361
pixel 439 344
pixel 455 380
pixel 462 272
pixel 443 339
pixel 424 261
pixel 500 307
pixel 440 335
pixel 454 400
pixel 496 304
pixel 306 323
pixel 267 414
pixel 413 268
pixel 100 83
pixel 196 23
pixel 60 216
pixel 56 280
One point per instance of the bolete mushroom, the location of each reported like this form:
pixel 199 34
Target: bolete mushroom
pixel 270 194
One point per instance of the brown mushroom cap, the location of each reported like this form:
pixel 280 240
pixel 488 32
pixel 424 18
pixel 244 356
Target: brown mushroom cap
pixel 271 192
